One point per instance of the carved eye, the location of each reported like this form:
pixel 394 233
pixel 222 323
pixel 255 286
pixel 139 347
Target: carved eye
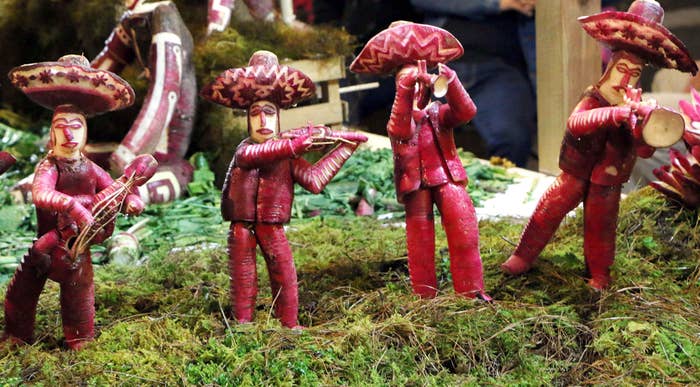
pixel 255 110
pixel 269 109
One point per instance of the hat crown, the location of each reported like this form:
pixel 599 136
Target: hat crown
pixel 73 59
pixel 648 9
pixel 263 58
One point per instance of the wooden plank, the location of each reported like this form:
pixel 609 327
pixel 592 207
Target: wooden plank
pixel 320 70
pixel 327 113
pixel 568 61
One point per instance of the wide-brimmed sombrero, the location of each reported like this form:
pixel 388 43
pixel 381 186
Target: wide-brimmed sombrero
pixel 639 31
pixel 405 43
pixel 262 79
pixel 71 81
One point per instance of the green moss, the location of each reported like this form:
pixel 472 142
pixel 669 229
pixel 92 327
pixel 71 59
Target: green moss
pixel 169 321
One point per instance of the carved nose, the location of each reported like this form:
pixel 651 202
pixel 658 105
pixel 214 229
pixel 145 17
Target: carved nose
pixel 68 134
pixel 263 120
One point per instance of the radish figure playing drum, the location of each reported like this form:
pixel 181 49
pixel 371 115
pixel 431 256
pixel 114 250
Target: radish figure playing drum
pixel 427 168
pixel 608 129
pixel 76 200
pixel 259 186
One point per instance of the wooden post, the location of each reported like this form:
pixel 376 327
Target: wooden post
pixel 568 61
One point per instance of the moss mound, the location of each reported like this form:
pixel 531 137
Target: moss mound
pixel 167 322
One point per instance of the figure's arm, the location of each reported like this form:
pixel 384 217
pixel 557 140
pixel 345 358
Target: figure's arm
pixel 117 52
pixel 315 177
pixel 165 67
pixel 459 108
pixel 252 155
pixel 45 195
pixel 588 117
pixel 400 120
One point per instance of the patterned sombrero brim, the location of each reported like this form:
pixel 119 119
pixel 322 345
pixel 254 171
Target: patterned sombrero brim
pixel 241 87
pixel 51 84
pixel 405 44
pixel 645 38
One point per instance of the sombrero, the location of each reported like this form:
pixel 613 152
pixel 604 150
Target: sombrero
pixel 71 81
pixel 405 43
pixel 639 31
pixel 262 79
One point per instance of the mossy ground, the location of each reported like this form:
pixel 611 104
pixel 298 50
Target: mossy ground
pixel 168 322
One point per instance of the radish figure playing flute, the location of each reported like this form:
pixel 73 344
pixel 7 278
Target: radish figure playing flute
pixel 427 169
pixel 259 186
pixel 608 129
pixel 76 200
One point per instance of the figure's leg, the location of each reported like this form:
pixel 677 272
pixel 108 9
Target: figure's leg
pixel 561 197
pixel 462 229
pixel 283 275
pixel 78 305
pixel 24 289
pixel 600 222
pixel 243 274
pixel 420 242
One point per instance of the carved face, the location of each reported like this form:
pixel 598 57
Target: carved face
pixel 623 71
pixel 68 134
pixel 263 121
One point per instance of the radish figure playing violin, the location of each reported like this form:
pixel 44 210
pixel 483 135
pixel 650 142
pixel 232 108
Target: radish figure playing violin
pixel 76 200
pixel 606 132
pixel 258 191
pixel 427 169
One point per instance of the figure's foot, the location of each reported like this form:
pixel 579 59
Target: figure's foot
pixel 599 282
pixel 77 344
pixel 515 265
pixel 7 340
pixel 483 296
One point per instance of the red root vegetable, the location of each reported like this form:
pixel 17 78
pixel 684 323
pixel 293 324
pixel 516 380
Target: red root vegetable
pixel 427 169
pixel 66 188
pixel 259 187
pixel 163 127
pixel 608 129
pixel 6 161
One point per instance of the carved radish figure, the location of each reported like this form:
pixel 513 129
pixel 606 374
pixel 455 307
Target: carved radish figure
pixel 427 169
pixel 258 191
pixel 154 35
pixel 680 180
pixel 76 200
pixel 607 130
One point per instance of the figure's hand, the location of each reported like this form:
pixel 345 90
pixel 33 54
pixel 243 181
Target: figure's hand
pixel 526 7
pixel 355 137
pixel 406 78
pixel 301 144
pixel 142 168
pixel 133 205
pixel 446 72
pixel 82 217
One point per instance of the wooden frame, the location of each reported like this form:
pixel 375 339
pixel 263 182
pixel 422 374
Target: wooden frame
pixel 568 61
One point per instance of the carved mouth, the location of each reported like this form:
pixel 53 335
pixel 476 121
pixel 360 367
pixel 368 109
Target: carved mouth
pixel 69 144
pixel 264 131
